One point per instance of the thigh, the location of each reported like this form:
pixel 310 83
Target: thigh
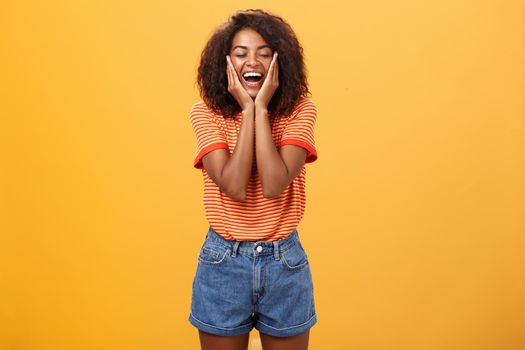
pixel 287 306
pixel 221 294
pixel 216 342
pixel 295 342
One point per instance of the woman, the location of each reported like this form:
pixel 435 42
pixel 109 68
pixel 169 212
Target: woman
pixel 255 132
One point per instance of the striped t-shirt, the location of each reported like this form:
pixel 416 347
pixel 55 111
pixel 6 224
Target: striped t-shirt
pixel 256 218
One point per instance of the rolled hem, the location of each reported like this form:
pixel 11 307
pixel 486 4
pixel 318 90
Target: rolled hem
pixel 223 331
pixel 288 331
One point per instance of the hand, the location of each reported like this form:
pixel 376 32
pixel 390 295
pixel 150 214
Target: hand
pixel 235 87
pixel 270 84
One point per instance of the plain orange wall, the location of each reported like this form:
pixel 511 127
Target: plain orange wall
pixel 415 220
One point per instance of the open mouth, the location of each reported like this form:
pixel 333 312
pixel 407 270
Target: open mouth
pixel 252 78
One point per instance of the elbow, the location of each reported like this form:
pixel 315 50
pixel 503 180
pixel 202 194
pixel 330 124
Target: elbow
pixel 235 191
pixel 271 193
pixel 237 194
pixel 272 189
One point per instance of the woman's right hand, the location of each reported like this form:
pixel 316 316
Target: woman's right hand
pixel 236 89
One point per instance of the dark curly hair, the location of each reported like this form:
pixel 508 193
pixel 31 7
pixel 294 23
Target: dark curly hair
pixel 213 81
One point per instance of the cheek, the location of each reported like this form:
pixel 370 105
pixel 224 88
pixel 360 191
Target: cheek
pixel 267 66
pixel 237 66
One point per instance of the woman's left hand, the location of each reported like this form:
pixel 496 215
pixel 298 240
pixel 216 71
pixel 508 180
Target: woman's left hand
pixel 269 86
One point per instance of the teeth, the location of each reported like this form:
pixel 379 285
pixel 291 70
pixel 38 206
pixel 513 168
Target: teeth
pixel 252 74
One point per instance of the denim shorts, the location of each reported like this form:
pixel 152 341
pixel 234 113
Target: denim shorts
pixel 240 285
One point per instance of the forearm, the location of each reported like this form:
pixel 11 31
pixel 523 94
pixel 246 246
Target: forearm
pixel 272 170
pixel 238 168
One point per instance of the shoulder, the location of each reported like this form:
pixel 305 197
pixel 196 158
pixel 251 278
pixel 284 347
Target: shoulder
pixel 304 105
pixel 201 116
pixel 200 107
pixel 200 111
pixel 304 101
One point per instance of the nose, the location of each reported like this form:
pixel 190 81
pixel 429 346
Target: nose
pixel 251 60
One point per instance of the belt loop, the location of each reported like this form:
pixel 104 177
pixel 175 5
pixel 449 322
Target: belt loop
pixel 276 250
pixel 235 247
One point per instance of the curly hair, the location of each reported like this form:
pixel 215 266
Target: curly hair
pixel 213 81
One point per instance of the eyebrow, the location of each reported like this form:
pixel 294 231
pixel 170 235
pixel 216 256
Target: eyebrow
pixel 246 48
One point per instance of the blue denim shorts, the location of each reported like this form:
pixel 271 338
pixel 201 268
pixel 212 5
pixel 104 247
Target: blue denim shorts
pixel 240 285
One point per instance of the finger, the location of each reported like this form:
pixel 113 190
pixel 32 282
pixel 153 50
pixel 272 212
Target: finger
pixel 272 69
pixel 228 70
pixel 232 74
pixel 276 68
pixel 270 76
pixel 272 63
pixel 235 75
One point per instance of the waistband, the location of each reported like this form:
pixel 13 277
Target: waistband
pixel 251 248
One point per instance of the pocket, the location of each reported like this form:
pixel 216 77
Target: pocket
pixel 295 257
pixel 213 253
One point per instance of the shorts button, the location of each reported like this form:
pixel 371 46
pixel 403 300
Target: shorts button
pixel 259 249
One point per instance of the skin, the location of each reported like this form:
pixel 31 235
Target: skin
pixel 277 168
pixel 240 342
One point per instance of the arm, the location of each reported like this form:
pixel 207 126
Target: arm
pixel 232 174
pixel 277 169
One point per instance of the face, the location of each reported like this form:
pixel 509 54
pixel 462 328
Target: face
pixel 250 53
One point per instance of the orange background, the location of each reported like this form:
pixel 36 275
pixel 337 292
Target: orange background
pixel 415 221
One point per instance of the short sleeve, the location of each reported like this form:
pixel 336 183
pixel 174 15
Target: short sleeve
pixel 299 129
pixel 207 131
